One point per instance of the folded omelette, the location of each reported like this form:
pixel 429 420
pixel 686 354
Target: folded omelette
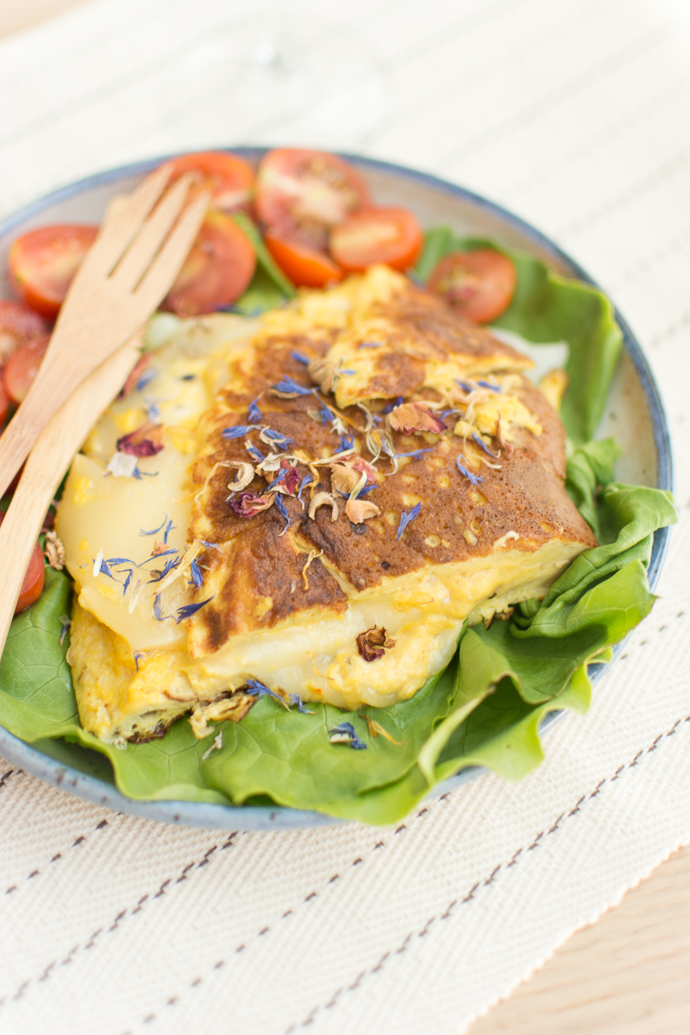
pixel 309 505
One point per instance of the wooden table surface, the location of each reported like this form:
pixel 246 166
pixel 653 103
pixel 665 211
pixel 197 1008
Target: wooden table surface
pixel 627 974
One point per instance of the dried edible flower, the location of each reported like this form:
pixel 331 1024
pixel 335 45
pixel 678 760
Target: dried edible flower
pixel 122 465
pixel 300 358
pixel 237 431
pixel 154 531
pixel 406 517
pixel 259 689
pixel 197 577
pixel 482 445
pixel 290 389
pixel 245 475
pixel 377 730
pixel 374 643
pixel 296 699
pixel 65 626
pixel 282 510
pixel 54 551
pixel 360 510
pixel 190 609
pixel 345 734
pixel 414 416
pixel 254 412
pixel 474 478
pixel 247 504
pixel 145 441
pixel 269 436
pixel 323 499
pixel 215 746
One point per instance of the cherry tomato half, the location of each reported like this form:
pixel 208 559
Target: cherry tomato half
pixel 43 262
pixel 480 284
pixel 302 194
pixel 18 324
pixel 22 367
pixel 217 271
pixel 389 235
pixel 34 579
pixel 4 403
pixel 304 266
pixel 229 179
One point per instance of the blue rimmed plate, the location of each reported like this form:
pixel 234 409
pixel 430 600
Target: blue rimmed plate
pixel 634 415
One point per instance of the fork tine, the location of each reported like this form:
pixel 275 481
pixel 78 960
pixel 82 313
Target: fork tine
pixel 143 248
pixel 157 280
pixel 123 219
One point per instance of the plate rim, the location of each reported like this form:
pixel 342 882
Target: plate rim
pixel 260 817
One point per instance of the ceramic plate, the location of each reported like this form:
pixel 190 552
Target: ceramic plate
pixel 634 415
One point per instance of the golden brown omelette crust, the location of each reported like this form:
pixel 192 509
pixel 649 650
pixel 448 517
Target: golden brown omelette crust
pixel 260 569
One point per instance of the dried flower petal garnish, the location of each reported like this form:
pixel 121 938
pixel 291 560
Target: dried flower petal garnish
pixel 323 499
pixel 491 387
pixel 145 441
pixel 360 510
pixel 269 436
pixel 190 609
pixel 313 554
pixel 238 431
pixel 290 389
pixel 377 730
pixel 258 689
pixel 282 510
pixel 247 504
pixel 296 699
pixel 374 643
pixel 300 358
pixel 474 478
pixel 345 734
pixel 65 626
pixel 197 577
pixel 158 575
pixel 344 477
pixel 215 746
pixel 158 608
pixel 482 445
pixel 256 454
pixel 307 480
pixel 406 517
pixel 245 475
pixel 122 465
pixel 154 531
pixel 254 412
pixel 54 552
pixel 184 566
pixel 414 416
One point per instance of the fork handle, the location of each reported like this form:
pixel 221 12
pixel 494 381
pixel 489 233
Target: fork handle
pixel 53 384
pixel 47 463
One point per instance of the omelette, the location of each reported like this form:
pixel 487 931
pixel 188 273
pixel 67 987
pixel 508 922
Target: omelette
pixel 310 505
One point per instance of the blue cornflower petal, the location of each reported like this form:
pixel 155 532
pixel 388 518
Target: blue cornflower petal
pixel 482 445
pixel 237 432
pixel 300 358
pixel 474 478
pixel 345 734
pixel 254 412
pixel 406 517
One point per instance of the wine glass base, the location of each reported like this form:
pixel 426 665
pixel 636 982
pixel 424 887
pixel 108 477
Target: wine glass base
pixel 306 84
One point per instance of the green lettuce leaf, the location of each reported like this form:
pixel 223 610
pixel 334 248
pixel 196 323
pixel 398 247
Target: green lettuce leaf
pixel 269 287
pixel 485 709
pixel 549 308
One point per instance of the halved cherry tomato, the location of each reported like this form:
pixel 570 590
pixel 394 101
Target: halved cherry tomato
pixel 43 262
pixel 480 284
pixel 4 403
pixel 22 367
pixel 34 579
pixel 217 271
pixel 18 324
pixel 389 235
pixel 229 179
pixel 304 266
pixel 302 194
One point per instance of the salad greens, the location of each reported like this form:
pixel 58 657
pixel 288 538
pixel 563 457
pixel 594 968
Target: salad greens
pixel 485 709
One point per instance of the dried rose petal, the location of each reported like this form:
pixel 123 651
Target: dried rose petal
pixel 414 416
pixel 247 504
pixel 291 481
pixel 138 370
pixel 145 441
pixel 344 478
pixel 373 643
pixel 360 510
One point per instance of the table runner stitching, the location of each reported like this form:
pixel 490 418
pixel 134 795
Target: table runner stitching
pixel 484 882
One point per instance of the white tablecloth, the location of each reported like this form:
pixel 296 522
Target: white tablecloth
pixel 575 114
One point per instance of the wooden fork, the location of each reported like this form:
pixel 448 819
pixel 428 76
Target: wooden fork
pixel 45 467
pixel 128 270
